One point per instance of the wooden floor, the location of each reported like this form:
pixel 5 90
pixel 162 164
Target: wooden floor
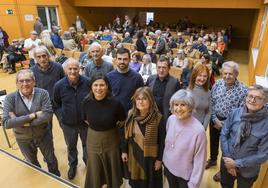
pixel 8 82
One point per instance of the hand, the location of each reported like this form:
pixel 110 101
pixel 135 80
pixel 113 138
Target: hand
pixel 157 165
pixel 232 171
pixel 124 157
pixel 12 115
pixel 229 163
pixel 38 113
pixel 218 124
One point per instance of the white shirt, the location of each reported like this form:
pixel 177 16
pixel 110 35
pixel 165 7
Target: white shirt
pixel 28 44
pixel 27 102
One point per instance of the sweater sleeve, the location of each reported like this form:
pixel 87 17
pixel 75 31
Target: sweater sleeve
pixel 199 161
pixel 46 109
pixel 9 106
pixel 208 114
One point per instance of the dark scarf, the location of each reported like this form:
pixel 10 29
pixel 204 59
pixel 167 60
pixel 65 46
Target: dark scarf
pixel 247 119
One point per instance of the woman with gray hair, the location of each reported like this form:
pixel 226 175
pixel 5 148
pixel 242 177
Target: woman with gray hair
pixel 184 155
pixel 68 41
pixel 147 68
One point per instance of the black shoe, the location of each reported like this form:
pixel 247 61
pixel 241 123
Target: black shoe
pixel 210 163
pixel 71 173
pixel 12 72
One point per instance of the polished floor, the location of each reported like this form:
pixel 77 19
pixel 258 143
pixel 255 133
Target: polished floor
pixel 8 82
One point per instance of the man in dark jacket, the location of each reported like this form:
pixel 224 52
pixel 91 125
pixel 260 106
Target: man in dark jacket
pixel 68 94
pixel 163 86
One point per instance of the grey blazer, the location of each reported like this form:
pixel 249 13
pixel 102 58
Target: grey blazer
pixel 38 127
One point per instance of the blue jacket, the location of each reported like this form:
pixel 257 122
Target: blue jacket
pixel 253 152
pixel 67 100
pixel 56 40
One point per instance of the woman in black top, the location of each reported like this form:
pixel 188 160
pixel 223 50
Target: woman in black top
pixel 102 114
pixel 141 42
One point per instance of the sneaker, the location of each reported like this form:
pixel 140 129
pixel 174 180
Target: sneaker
pixel 217 177
pixel 210 163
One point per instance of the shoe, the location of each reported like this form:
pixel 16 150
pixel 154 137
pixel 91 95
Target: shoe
pixel 210 163
pixel 71 173
pixel 217 177
pixel 12 72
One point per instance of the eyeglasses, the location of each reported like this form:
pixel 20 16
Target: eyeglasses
pixel 141 99
pixel 255 98
pixel 27 81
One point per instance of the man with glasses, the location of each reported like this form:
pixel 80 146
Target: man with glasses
pixel 244 141
pixel 28 111
pixel 226 94
pixel 163 86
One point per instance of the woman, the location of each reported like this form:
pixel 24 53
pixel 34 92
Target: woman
pixel 102 114
pixel 47 42
pixel 141 42
pixel 184 155
pixel 135 63
pixel 179 60
pixel 68 41
pixel 199 87
pixel 147 68
pixel 244 140
pixel 144 141
pixel 186 73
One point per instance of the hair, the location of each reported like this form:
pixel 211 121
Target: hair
pixel 164 58
pixel 41 49
pixel 25 71
pixel 66 35
pixel 207 57
pixel 148 57
pixel 140 34
pixel 263 90
pixel 197 70
pixel 138 56
pixel 123 51
pixel 94 44
pixel 231 64
pixel 99 76
pixel 147 92
pixel 68 61
pixel 182 96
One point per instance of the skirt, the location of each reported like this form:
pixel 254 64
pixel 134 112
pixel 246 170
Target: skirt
pixel 103 164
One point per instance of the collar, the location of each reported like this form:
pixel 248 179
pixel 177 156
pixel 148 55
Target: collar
pixel 164 80
pixel 236 84
pixel 72 84
pixel 23 96
pixel 49 66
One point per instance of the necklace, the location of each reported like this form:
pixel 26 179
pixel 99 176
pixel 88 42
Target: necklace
pixel 175 135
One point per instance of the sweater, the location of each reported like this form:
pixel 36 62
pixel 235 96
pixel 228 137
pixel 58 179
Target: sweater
pixel 102 115
pixel 47 79
pixel 185 149
pixel 202 108
pixel 38 127
pixel 124 85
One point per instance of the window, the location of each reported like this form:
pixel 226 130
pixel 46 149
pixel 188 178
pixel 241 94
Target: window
pixel 149 17
pixel 49 16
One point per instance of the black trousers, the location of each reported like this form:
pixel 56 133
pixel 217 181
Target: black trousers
pixel 71 134
pixel 214 137
pixel 13 58
pixel 29 150
pixel 174 181
pixel 227 180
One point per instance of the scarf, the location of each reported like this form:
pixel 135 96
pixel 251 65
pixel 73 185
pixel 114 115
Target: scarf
pixel 247 119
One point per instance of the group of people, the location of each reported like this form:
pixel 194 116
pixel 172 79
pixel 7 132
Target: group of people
pixel 135 119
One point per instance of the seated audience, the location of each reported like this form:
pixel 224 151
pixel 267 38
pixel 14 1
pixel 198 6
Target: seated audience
pixel 147 68
pixel 68 41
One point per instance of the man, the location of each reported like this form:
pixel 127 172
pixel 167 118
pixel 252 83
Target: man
pixel 160 43
pixel 30 44
pixel 38 26
pixel 244 141
pixel 97 65
pixel 28 112
pixel 127 38
pixel 68 94
pixel 202 48
pixel 124 81
pixel 163 86
pixel 226 94
pixel 46 72
pixel 55 38
pixel 80 25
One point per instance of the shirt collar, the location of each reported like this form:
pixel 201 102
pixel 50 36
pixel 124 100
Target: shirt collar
pixel 23 96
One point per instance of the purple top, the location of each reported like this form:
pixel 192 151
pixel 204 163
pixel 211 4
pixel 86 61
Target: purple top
pixel 135 66
pixel 185 149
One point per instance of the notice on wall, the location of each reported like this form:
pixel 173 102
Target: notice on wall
pixel 28 17
pixel 9 11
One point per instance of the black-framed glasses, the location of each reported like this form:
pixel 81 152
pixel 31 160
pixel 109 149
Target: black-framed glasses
pixel 255 98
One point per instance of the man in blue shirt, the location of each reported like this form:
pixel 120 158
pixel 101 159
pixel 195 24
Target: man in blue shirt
pixel 124 81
